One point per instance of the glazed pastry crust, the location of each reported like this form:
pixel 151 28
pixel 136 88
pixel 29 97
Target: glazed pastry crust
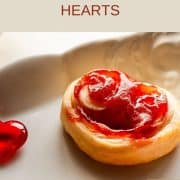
pixel 121 151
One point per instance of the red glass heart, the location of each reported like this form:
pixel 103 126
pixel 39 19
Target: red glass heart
pixel 13 134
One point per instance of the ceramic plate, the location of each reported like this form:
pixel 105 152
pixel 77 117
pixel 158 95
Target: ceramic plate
pixel 31 91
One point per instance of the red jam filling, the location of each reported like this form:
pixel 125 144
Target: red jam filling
pixel 130 108
pixel 13 134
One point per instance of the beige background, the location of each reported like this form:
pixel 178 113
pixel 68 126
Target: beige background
pixel 137 15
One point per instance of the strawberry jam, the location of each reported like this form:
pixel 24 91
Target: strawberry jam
pixel 128 107
pixel 13 135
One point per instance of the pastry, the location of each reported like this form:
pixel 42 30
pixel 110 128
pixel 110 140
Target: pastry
pixel 118 120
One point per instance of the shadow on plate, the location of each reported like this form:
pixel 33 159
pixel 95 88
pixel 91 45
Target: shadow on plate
pixel 12 160
pixel 37 80
pixel 155 170
pixel 31 82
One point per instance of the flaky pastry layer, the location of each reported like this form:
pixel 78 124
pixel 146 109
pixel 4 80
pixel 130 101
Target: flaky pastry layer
pixel 121 151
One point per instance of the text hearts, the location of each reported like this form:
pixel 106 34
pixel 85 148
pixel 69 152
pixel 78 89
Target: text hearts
pixel 13 134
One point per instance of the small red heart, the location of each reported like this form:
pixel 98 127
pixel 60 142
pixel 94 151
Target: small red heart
pixel 13 134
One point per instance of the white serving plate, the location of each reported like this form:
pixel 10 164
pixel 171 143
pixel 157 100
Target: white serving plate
pixel 31 89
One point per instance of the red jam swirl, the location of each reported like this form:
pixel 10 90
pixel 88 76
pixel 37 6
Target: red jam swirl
pixel 131 108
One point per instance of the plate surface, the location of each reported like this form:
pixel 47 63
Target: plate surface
pixel 31 91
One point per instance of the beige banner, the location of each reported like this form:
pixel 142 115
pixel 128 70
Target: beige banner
pixel 44 15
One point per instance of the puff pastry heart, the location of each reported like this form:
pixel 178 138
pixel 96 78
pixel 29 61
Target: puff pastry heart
pixel 118 120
